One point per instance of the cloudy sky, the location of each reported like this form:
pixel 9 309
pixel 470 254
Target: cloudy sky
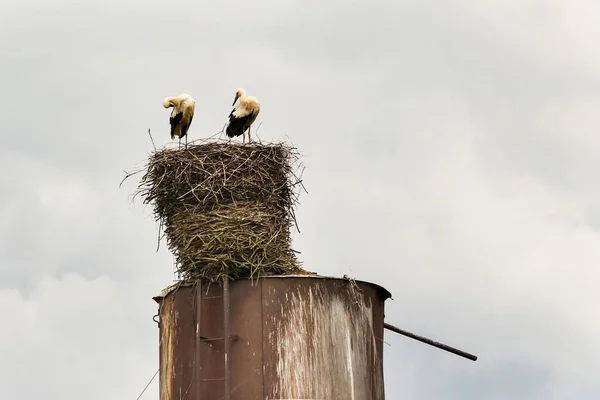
pixel 451 153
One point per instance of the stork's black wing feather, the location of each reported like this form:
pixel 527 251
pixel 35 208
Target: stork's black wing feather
pixel 237 126
pixel 174 120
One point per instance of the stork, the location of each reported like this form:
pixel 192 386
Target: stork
pixel 243 115
pixel 181 116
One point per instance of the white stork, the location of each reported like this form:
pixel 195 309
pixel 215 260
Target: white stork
pixel 181 116
pixel 243 115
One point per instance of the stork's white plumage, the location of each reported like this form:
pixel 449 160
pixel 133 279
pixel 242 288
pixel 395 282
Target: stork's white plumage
pixel 181 116
pixel 243 115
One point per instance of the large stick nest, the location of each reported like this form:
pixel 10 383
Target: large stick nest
pixel 227 209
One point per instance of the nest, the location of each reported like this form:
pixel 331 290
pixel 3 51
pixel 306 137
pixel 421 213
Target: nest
pixel 227 209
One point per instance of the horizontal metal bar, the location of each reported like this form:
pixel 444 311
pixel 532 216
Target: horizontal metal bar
pixel 430 342
pixel 210 339
pixel 212 380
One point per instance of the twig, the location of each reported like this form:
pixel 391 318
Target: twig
pixel 160 227
pixel 257 129
pixel 151 139
pixel 127 175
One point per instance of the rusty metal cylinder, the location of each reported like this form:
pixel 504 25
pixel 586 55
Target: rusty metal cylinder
pixel 282 337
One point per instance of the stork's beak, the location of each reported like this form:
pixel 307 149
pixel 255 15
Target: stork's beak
pixel 234 100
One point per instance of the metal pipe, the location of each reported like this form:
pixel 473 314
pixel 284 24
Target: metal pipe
pixel 226 333
pixel 430 342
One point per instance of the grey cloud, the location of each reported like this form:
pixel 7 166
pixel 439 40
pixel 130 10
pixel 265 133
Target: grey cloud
pixel 450 154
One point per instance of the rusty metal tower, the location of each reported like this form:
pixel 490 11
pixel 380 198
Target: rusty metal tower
pixel 283 337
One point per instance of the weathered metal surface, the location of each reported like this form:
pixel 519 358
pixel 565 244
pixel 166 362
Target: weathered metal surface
pixel 176 334
pixel 301 337
pixel 246 351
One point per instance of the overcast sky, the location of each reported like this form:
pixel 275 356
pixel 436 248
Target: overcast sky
pixel 451 153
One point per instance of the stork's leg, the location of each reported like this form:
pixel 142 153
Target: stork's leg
pixel 186 141
pixel 243 137
pixel 249 137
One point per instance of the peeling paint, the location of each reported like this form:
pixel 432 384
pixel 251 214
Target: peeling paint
pixel 325 346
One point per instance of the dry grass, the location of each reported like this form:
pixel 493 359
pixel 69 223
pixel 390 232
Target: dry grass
pixel 227 209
